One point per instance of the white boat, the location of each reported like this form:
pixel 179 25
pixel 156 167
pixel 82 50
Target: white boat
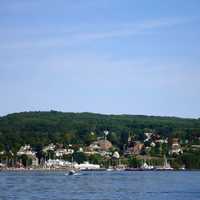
pixel 71 172
pixel 182 168
pixel 110 169
pixel 120 169
pixel 145 166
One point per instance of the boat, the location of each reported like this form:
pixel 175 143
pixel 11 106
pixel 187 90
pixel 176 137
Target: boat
pixel 71 172
pixel 120 169
pixel 146 167
pixel 110 169
pixel 165 167
pixel 182 168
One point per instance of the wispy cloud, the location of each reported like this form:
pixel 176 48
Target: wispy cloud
pixel 125 30
pixel 76 36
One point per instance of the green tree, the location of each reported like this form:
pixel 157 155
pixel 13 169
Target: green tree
pixel 133 162
pixel 79 157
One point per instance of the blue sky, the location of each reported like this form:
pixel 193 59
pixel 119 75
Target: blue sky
pixel 105 56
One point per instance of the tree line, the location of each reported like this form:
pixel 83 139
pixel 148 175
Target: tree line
pixel 42 128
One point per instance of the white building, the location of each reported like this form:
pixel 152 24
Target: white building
pixel 26 150
pixel 62 163
pixel 62 152
pixel 50 147
pixel 116 155
pixel 162 141
pixel 87 166
pixel 148 135
pixel 57 163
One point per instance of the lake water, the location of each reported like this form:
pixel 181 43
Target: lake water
pixel 100 186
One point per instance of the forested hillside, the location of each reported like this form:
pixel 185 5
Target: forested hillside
pixel 41 128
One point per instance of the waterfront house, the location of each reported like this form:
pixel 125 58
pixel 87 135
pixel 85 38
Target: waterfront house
pixel 87 166
pixel 62 151
pixel 27 150
pixel 57 163
pixel 116 155
pixel 50 147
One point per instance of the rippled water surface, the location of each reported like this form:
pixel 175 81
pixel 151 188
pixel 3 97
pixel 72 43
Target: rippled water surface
pixel 100 186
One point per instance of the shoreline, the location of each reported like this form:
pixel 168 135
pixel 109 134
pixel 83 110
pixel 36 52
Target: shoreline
pixel 94 170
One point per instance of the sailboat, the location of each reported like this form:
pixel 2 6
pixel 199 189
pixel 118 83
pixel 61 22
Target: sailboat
pixel 166 166
pixel 72 171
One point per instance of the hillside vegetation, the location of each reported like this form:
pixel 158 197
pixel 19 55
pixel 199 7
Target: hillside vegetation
pixel 41 128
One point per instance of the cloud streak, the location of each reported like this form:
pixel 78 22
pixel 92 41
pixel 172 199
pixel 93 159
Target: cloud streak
pixel 132 29
pixel 75 36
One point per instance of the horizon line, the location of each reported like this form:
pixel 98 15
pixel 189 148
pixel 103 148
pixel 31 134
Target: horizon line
pixel 99 113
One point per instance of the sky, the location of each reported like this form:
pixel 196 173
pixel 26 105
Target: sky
pixel 102 56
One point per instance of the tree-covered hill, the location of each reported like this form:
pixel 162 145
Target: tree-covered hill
pixel 41 128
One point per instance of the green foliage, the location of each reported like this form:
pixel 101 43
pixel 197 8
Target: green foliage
pixel 177 162
pixel 79 157
pixel 95 159
pixel 42 128
pixel 25 160
pixel 1 147
pixel 133 162
pixel 191 160
pixel 89 138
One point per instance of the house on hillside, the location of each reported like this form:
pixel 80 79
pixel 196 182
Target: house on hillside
pixel 136 148
pixel 175 147
pixel 26 150
pixel 148 136
pixel 101 147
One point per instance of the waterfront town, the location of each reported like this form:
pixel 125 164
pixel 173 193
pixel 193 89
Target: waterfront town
pixel 154 152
